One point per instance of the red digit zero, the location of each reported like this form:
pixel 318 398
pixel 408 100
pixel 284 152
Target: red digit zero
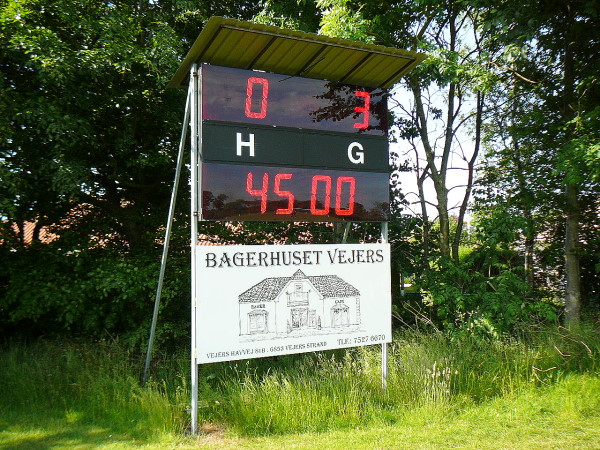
pixel 313 197
pixel 351 182
pixel 252 81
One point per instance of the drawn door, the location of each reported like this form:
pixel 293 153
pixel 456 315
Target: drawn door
pixel 340 316
pixel 299 318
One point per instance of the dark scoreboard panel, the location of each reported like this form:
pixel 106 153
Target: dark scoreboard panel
pixel 239 143
pixel 276 147
pixel 244 96
pixel 241 192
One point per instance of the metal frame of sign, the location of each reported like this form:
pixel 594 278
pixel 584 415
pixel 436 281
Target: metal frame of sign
pixel 195 90
pixel 193 118
pixel 317 57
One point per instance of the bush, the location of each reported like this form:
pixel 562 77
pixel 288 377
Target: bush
pixel 463 299
pixel 89 292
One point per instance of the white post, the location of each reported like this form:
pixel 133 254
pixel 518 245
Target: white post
pixel 194 238
pixel 384 347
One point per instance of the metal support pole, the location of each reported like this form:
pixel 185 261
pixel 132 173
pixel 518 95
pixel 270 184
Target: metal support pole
pixel 163 261
pixel 194 239
pixel 384 347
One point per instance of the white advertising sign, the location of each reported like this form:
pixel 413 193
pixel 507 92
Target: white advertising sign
pixel 265 300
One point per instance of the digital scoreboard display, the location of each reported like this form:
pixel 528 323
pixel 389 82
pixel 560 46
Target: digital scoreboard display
pixel 291 193
pixel 278 147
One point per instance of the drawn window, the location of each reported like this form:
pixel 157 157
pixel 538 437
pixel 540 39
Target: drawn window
pixel 298 297
pixel 257 322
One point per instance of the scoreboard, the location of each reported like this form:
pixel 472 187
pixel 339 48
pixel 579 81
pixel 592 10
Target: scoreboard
pixel 279 147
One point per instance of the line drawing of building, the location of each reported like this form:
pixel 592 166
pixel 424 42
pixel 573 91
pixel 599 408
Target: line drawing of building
pixel 287 306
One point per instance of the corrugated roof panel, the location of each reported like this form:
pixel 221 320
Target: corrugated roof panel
pixel 379 67
pixel 287 56
pixel 253 44
pixel 234 47
pixel 347 60
pixel 246 45
pixel 312 56
pixel 333 58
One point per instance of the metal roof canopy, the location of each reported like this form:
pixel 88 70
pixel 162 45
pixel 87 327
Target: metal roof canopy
pixel 246 45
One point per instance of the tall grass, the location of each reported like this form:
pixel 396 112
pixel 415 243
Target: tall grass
pixel 88 384
pixel 429 374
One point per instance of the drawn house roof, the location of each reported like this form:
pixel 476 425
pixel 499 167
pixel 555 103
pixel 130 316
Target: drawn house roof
pixel 327 285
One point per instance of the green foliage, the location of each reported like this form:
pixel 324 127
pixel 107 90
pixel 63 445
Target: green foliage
pixel 585 148
pixel 544 136
pixel 90 121
pixel 88 292
pixel 293 14
pixel 463 299
pixel 88 139
pixel 340 20
pixel 75 383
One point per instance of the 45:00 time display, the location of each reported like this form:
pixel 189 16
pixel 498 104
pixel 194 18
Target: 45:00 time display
pixel 320 194
pixel 242 192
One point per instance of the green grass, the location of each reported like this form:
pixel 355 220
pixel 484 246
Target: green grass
pixel 542 390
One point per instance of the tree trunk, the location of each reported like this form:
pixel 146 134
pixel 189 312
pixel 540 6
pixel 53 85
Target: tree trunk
pixel 423 203
pixel 572 267
pixel 437 176
pixel 471 172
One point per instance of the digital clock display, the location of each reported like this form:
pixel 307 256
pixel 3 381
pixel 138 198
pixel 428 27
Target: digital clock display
pixel 282 148
pixel 239 192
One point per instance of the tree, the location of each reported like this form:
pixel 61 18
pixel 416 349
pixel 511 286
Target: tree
pixel 563 66
pixel 89 120
pixel 453 72
pixel 88 143
pixel 531 83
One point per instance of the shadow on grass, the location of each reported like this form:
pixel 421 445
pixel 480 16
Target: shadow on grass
pixel 54 432
pixel 45 440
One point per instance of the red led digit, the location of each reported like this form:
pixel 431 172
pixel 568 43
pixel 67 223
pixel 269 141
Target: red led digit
pixel 284 194
pixel 351 181
pixel 313 197
pixel 262 193
pixel 364 110
pixel 250 93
